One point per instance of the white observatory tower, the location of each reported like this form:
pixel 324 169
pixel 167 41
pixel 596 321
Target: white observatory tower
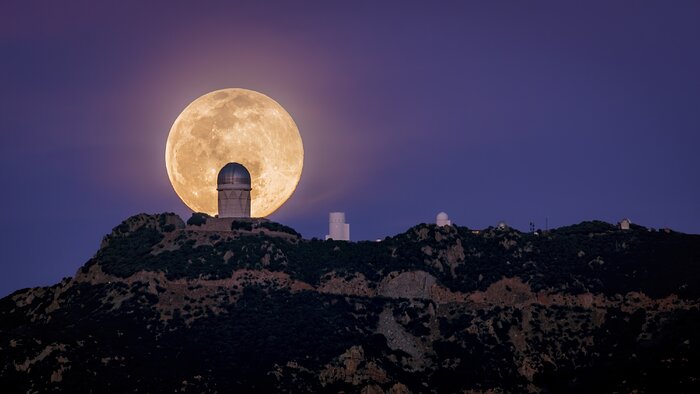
pixel 338 230
pixel 442 220
pixel 233 184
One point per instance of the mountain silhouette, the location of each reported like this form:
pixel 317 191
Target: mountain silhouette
pixel 221 305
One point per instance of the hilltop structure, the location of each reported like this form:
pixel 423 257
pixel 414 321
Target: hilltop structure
pixel 442 220
pixel 233 185
pixel 338 230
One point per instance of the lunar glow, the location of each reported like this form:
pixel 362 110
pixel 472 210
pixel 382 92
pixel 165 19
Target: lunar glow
pixel 234 125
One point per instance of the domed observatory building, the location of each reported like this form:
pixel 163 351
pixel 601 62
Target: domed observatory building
pixel 442 220
pixel 233 185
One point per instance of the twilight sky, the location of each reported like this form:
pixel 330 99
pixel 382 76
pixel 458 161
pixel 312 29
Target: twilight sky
pixel 516 111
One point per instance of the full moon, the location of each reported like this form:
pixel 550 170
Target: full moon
pixel 234 125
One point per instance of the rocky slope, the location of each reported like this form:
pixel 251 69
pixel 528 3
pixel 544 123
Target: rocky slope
pixel 165 306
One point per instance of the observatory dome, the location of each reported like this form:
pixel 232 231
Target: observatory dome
pixel 442 220
pixel 233 174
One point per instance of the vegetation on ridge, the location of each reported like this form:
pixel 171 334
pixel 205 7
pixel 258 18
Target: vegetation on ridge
pixel 165 307
pixel 588 257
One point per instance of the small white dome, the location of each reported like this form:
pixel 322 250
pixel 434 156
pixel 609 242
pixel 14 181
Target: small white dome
pixel 442 220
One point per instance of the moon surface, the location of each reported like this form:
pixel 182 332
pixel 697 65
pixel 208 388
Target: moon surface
pixel 234 125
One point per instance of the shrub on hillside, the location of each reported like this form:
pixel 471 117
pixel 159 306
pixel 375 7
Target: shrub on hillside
pixel 280 228
pixel 197 219
pixel 241 225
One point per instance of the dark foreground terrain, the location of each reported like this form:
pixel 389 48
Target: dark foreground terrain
pixel 169 307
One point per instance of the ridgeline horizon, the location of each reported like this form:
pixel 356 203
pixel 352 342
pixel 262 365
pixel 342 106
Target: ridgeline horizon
pixel 249 305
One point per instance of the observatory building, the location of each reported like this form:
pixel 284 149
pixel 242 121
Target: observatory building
pixel 338 230
pixel 442 220
pixel 233 185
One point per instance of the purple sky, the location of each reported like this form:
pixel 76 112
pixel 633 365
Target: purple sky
pixel 488 110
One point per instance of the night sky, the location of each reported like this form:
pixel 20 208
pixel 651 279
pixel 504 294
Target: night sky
pixel 491 111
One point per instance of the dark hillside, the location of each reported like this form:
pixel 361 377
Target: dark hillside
pixel 164 306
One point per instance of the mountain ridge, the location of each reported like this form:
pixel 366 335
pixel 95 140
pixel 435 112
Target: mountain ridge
pixel 433 309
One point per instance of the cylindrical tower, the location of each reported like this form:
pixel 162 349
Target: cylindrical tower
pixel 233 184
pixel 337 228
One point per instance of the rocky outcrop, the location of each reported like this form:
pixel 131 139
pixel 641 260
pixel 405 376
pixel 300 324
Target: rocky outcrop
pixel 414 284
pixel 352 367
pixel 399 339
pixel 356 285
